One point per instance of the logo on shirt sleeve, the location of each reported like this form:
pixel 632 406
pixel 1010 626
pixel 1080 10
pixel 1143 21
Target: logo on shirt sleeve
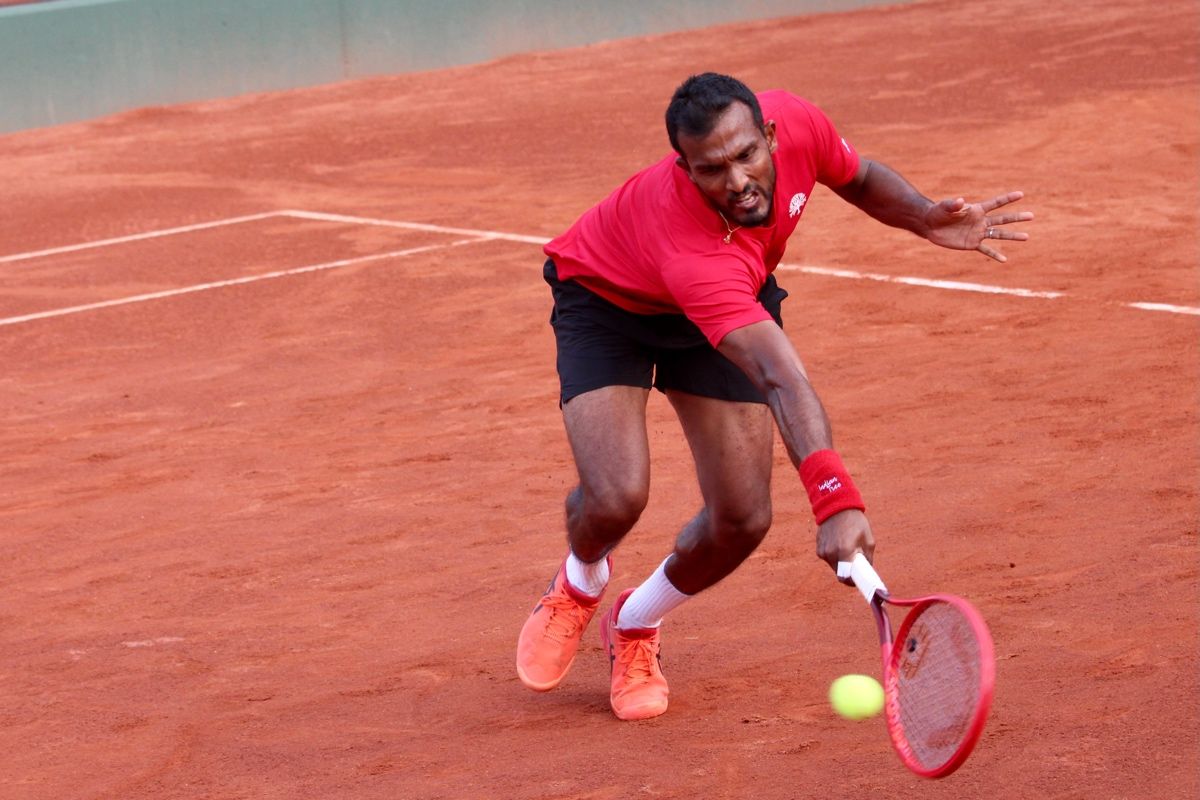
pixel 798 201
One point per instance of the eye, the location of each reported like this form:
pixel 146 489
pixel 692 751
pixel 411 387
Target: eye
pixel 746 154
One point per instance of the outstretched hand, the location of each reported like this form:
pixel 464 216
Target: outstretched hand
pixel 960 225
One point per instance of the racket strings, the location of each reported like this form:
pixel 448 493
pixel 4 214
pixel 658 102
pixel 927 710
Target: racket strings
pixel 937 673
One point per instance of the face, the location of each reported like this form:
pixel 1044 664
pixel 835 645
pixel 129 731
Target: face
pixel 732 166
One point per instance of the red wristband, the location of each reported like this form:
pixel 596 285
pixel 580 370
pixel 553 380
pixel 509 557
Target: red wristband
pixel 830 489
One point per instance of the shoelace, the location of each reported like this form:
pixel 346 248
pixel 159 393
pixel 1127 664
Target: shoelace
pixel 566 617
pixel 639 659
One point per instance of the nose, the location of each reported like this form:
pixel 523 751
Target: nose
pixel 736 180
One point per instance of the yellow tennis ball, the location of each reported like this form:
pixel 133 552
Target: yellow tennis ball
pixel 856 696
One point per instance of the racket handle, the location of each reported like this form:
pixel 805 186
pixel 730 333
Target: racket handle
pixel 865 578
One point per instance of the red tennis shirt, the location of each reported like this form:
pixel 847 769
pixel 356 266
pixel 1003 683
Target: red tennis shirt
pixel 655 245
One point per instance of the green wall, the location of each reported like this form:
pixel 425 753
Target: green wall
pixel 76 59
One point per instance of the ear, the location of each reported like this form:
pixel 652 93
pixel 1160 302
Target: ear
pixel 769 132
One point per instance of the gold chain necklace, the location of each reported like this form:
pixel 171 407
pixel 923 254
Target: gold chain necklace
pixel 730 230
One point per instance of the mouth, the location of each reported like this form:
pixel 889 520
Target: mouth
pixel 746 201
pixel 747 208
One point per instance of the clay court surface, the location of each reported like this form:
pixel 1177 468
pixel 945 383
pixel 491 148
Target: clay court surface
pixel 274 536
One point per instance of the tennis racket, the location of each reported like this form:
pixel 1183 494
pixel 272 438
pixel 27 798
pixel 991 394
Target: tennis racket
pixel 939 671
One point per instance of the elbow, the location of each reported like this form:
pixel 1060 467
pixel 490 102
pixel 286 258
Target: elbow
pixel 781 379
pixel 766 357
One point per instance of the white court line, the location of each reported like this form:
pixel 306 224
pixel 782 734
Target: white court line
pixel 484 235
pixel 71 248
pixel 414 226
pixel 1166 307
pixel 958 286
pixel 961 286
pixel 203 287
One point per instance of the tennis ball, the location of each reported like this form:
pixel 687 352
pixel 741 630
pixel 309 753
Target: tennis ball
pixel 856 696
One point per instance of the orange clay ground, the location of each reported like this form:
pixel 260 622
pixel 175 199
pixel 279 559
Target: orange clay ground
pixel 275 539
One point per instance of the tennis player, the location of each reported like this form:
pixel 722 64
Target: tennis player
pixel 668 283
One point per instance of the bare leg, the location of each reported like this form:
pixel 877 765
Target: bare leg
pixel 732 446
pixel 607 431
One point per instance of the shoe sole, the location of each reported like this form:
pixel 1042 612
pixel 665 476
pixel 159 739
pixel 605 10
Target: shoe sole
pixel 542 687
pixel 641 712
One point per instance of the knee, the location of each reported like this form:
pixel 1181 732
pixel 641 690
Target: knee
pixel 741 530
pixel 616 507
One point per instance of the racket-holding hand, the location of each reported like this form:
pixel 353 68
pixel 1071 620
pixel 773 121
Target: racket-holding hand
pixel 844 534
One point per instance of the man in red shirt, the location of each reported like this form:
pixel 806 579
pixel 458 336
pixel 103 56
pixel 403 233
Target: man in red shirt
pixel 668 283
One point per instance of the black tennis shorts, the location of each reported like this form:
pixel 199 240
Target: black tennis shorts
pixel 601 344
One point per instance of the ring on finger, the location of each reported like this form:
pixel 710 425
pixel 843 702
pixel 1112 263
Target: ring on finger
pixel 991 233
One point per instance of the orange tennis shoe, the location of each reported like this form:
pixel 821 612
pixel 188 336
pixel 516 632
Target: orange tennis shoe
pixel 550 636
pixel 639 690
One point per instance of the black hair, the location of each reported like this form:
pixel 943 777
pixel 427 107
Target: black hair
pixel 701 99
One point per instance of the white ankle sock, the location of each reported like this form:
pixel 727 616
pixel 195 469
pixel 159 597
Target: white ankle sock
pixel 589 579
pixel 649 602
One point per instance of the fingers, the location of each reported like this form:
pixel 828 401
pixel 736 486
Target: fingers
pixel 991 252
pixel 996 233
pixel 844 534
pixel 1008 219
pixel 1001 200
pixel 992 231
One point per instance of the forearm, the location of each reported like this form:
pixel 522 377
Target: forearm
pixel 800 417
pixel 766 356
pixel 805 428
pixel 885 195
pixel 763 352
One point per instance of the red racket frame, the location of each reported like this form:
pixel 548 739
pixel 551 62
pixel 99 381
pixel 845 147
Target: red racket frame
pixel 987 676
